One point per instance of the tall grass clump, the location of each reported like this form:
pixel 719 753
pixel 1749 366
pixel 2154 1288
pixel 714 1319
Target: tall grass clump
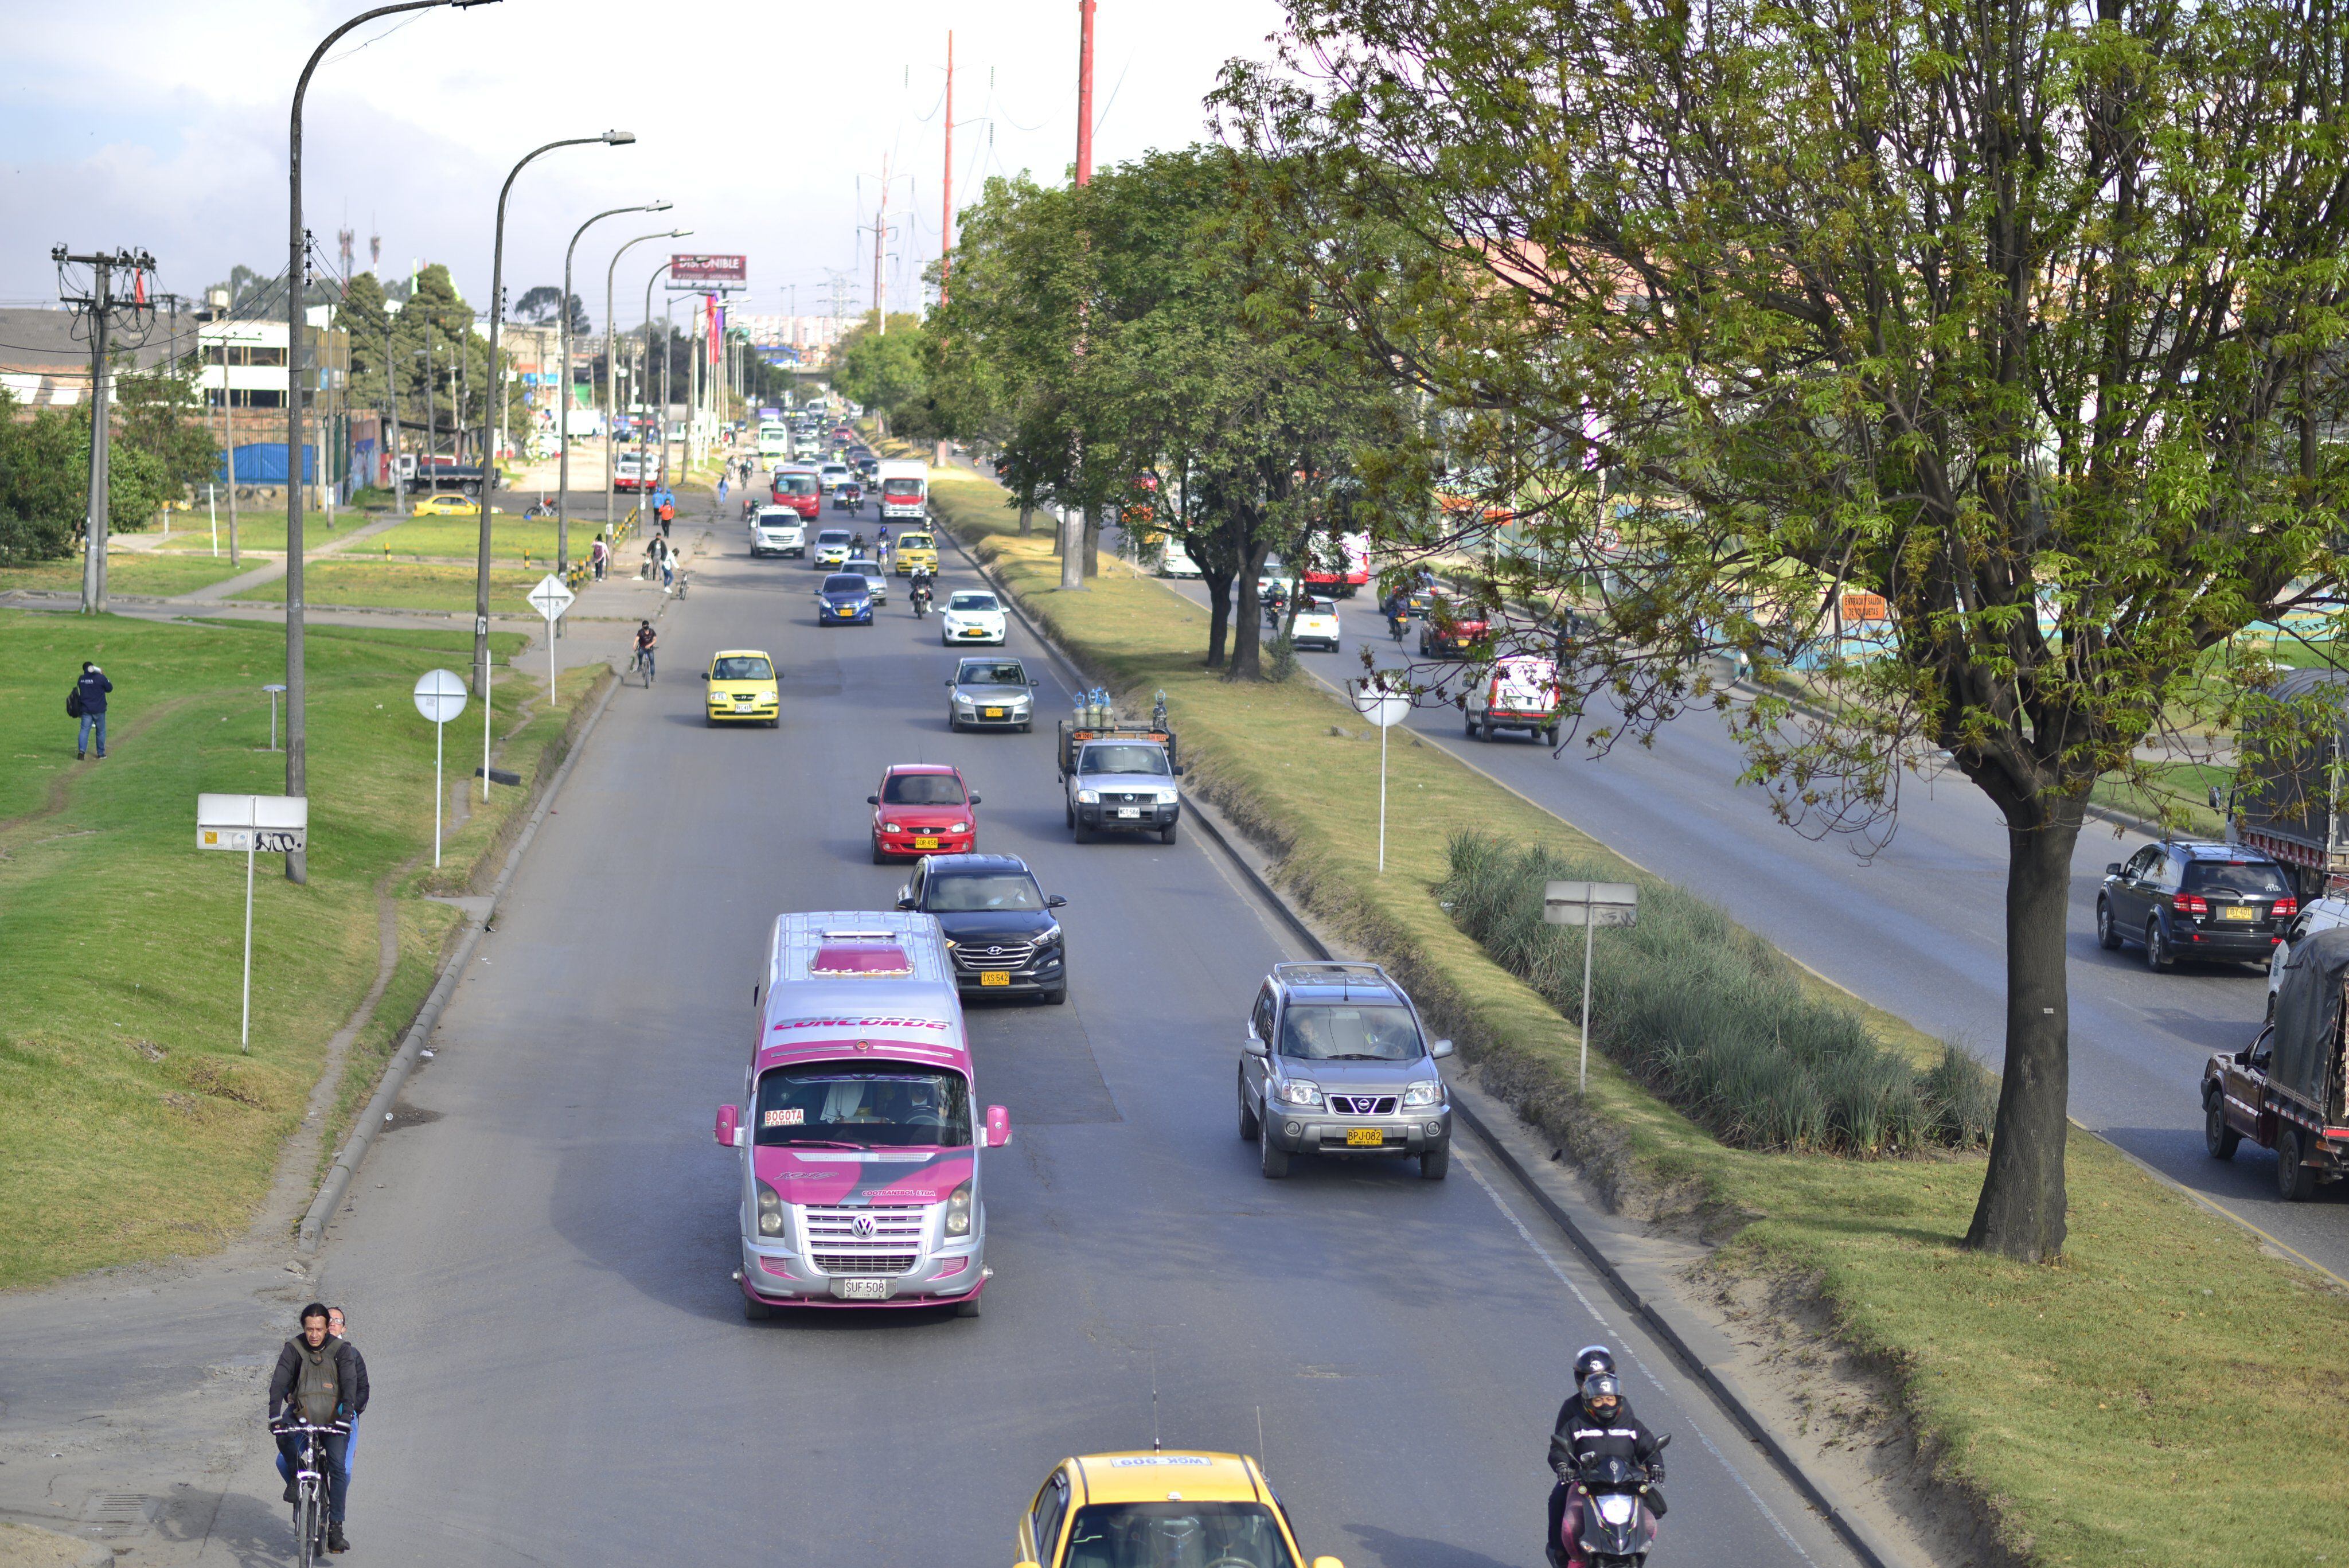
pixel 1714 1019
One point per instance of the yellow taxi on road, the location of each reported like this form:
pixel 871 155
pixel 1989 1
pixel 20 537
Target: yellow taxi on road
pixel 917 550
pixel 742 688
pixel 1142 1509
pixel 452 506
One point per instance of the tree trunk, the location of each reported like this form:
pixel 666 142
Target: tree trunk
pixel 1027 517
pixel 2020 1212
pixel 1094 523
pixel 1219 612
pixel 1247 661
pixel 1072 550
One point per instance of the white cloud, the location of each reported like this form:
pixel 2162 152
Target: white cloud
pixel 766 124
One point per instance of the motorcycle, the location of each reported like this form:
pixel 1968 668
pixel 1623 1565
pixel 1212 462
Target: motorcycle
pixel 921 600
pixel 1618 1513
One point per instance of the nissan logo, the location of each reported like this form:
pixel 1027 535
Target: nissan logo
pixel 862 1226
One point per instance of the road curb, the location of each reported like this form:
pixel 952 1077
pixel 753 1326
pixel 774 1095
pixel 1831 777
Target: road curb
pixel 337 1182
pixel 1853 1531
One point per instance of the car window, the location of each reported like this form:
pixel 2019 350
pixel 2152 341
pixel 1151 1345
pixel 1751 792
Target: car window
pixel 1052 1506
pixel 915 541
pixel 1123 759
pixel 742 667
pixel 968 892
pixel 833 536
pixel 1177 1534
pixel 847 583
pixel 971 601
pixel 922 789
pixel 1262 1017
pixel 2139 863
pixel 2252 878
pixel 869 569
pixel 987 672
pixel 1349 1031
pixel 2165 871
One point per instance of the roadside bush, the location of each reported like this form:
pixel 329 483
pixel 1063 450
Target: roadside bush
pixel 1714 1019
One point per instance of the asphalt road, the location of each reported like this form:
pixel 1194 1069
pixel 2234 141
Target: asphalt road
pixel 1917 926
pixel 538 1259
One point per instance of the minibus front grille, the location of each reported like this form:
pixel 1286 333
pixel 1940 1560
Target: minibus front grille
pixel 864 1262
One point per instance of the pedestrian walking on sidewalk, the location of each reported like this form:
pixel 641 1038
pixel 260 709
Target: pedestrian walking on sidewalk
pixel 599 555
pixel 89 704
pixel 668 570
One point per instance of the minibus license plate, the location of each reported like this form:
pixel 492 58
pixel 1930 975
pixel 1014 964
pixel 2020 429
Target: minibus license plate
pixel 1365 1138
pixel 925 844
pixel 860 1290
pixel 995 977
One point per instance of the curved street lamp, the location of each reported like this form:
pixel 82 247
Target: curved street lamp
pixel 611 363
pixel 562 418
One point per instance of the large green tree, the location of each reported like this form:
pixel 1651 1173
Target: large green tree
pixel 888 372
pixel 2024 317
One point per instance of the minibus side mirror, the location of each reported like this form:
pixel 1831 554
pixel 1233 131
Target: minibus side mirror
pixel 1440 1050
pixel 998 1126
pixel 730 1127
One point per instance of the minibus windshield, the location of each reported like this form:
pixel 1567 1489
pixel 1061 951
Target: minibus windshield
pixel 864 1105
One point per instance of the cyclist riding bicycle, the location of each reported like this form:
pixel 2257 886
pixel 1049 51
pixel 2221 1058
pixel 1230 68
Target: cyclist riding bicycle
pixel 318 1382
pixel 646 637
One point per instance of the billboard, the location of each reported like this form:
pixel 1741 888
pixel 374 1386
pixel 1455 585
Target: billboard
pixel 710 269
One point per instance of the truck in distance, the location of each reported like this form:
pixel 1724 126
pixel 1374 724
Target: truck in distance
pixel 2284 1091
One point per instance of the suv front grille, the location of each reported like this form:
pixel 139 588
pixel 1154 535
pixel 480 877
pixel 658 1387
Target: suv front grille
pixel 995 955
pixel 1362 1105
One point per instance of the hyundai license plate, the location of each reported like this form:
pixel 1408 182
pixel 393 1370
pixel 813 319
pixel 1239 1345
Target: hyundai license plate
pixel 1365 1138
pixel 2239 912
pixel 860 1290
pixel 925 844
pixel 995 977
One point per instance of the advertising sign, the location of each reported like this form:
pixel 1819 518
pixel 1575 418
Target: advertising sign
pixel 710 269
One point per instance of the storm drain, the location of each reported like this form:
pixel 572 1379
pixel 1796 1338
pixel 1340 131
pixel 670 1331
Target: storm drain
pixel 112 1515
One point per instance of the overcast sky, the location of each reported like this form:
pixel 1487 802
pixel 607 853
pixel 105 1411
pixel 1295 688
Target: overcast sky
pixel 161 124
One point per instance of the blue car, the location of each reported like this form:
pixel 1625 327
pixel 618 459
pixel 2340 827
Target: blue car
pixel 846 599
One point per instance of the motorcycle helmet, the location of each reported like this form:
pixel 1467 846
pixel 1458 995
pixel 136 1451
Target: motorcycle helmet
pixel 1601 1389
pixel 1592 1358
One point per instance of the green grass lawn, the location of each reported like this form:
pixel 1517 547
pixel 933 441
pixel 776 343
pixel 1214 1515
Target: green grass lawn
pixel 511 537
pixel 260 526
pixel 2087 1407
pixel 127 572
pixel 402 585
pixel 131 1125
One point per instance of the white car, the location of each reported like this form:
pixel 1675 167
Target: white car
pixel 832 476
pixel 777 531
pixel 1317 625
pixel 972 615
pixel 1175 562
pixel 2316 915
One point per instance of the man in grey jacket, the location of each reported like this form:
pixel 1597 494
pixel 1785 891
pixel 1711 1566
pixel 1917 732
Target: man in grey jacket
pixel 319 1380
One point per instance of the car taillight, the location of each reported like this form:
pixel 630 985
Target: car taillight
pixel 2285 908
pixel 2191 904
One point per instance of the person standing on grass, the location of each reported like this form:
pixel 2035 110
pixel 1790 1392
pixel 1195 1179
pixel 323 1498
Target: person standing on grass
pixel 89 703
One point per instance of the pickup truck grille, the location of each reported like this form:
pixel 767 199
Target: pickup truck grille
pixel 994 955
pixel 1362 1105
pixel 1117 798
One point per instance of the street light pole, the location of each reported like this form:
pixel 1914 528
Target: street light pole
pixel 490 426
pixel 563 393
pixel 645 382
pixel 612 362
pixel 297 727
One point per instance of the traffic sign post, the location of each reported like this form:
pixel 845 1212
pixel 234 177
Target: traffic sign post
pixel 439 697
pixel 1386 709
pixel 550 599
pixel 1589 905
pixel 256 824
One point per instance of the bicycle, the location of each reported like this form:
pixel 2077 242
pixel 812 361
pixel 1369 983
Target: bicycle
pixel 642 664
pixel 310 1523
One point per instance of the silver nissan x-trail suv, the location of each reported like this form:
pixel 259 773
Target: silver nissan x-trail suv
pixel 1335 1063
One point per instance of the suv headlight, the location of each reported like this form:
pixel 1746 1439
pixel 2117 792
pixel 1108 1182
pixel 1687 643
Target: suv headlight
pixel 1426 1092
pixel 1299 1092
pixel 1088 797
pixel 770 1211
pixel 1049 935
pixel 958 1210
pixel 1166 798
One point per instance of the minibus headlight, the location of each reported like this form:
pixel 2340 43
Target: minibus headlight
pixel 958 1210
pixel 770 1211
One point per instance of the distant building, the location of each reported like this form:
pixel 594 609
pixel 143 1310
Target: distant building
pixel 45 354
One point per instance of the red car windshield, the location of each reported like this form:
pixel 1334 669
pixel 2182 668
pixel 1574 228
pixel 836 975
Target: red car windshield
pixel 922 789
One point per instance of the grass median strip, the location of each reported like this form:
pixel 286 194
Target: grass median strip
pixel 131 1125
pixel 144 572
pixel 2170 1394
pixel 404 584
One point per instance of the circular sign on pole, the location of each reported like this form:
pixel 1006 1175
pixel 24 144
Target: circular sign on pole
pixel 1384 709
pixel 439 696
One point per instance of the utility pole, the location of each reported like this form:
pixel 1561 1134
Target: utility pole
pixel 880 231
pixel 946 205
pixel 392 412
pixel 228 442
pixel 101 305
pixel 1084 93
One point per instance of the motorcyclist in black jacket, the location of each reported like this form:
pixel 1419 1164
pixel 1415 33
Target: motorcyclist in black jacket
pixel 1594 1422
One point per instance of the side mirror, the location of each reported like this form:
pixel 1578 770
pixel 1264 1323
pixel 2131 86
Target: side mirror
pixel 1055 902
pixel 2113 868
pixel 948 682
pixel 1663 1442
pixel 730 1127
pixel 974 800
pixel 1181 769
pixel 704 675
pixel 2214 799
pixel 998 1126
pixel 905 900
pixel 1440 1050
pixel 1254 1046
pixel 873 800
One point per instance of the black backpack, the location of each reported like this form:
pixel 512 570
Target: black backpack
pixel 73 701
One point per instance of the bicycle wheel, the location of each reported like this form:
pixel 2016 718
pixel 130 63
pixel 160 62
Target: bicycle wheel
pixel 308 1525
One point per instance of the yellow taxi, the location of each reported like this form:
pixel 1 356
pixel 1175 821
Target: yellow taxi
pixel 917 550
pixel 451 507
pixel 742 688
pixel 1142 1509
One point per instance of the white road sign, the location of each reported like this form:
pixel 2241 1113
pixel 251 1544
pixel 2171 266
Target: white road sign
pixel 550 598
pixel 266 823
pixel 439 696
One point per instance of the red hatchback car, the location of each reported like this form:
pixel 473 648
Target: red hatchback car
pixel 924 808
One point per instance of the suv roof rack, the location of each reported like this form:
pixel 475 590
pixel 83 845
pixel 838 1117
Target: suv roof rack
pixel 1304 968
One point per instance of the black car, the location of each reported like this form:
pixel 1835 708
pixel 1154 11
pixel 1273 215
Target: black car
pixel 1000 926
pixel 2196 902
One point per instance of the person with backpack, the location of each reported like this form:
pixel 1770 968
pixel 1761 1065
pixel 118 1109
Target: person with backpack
pixel 320 1380
pixel 88 703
